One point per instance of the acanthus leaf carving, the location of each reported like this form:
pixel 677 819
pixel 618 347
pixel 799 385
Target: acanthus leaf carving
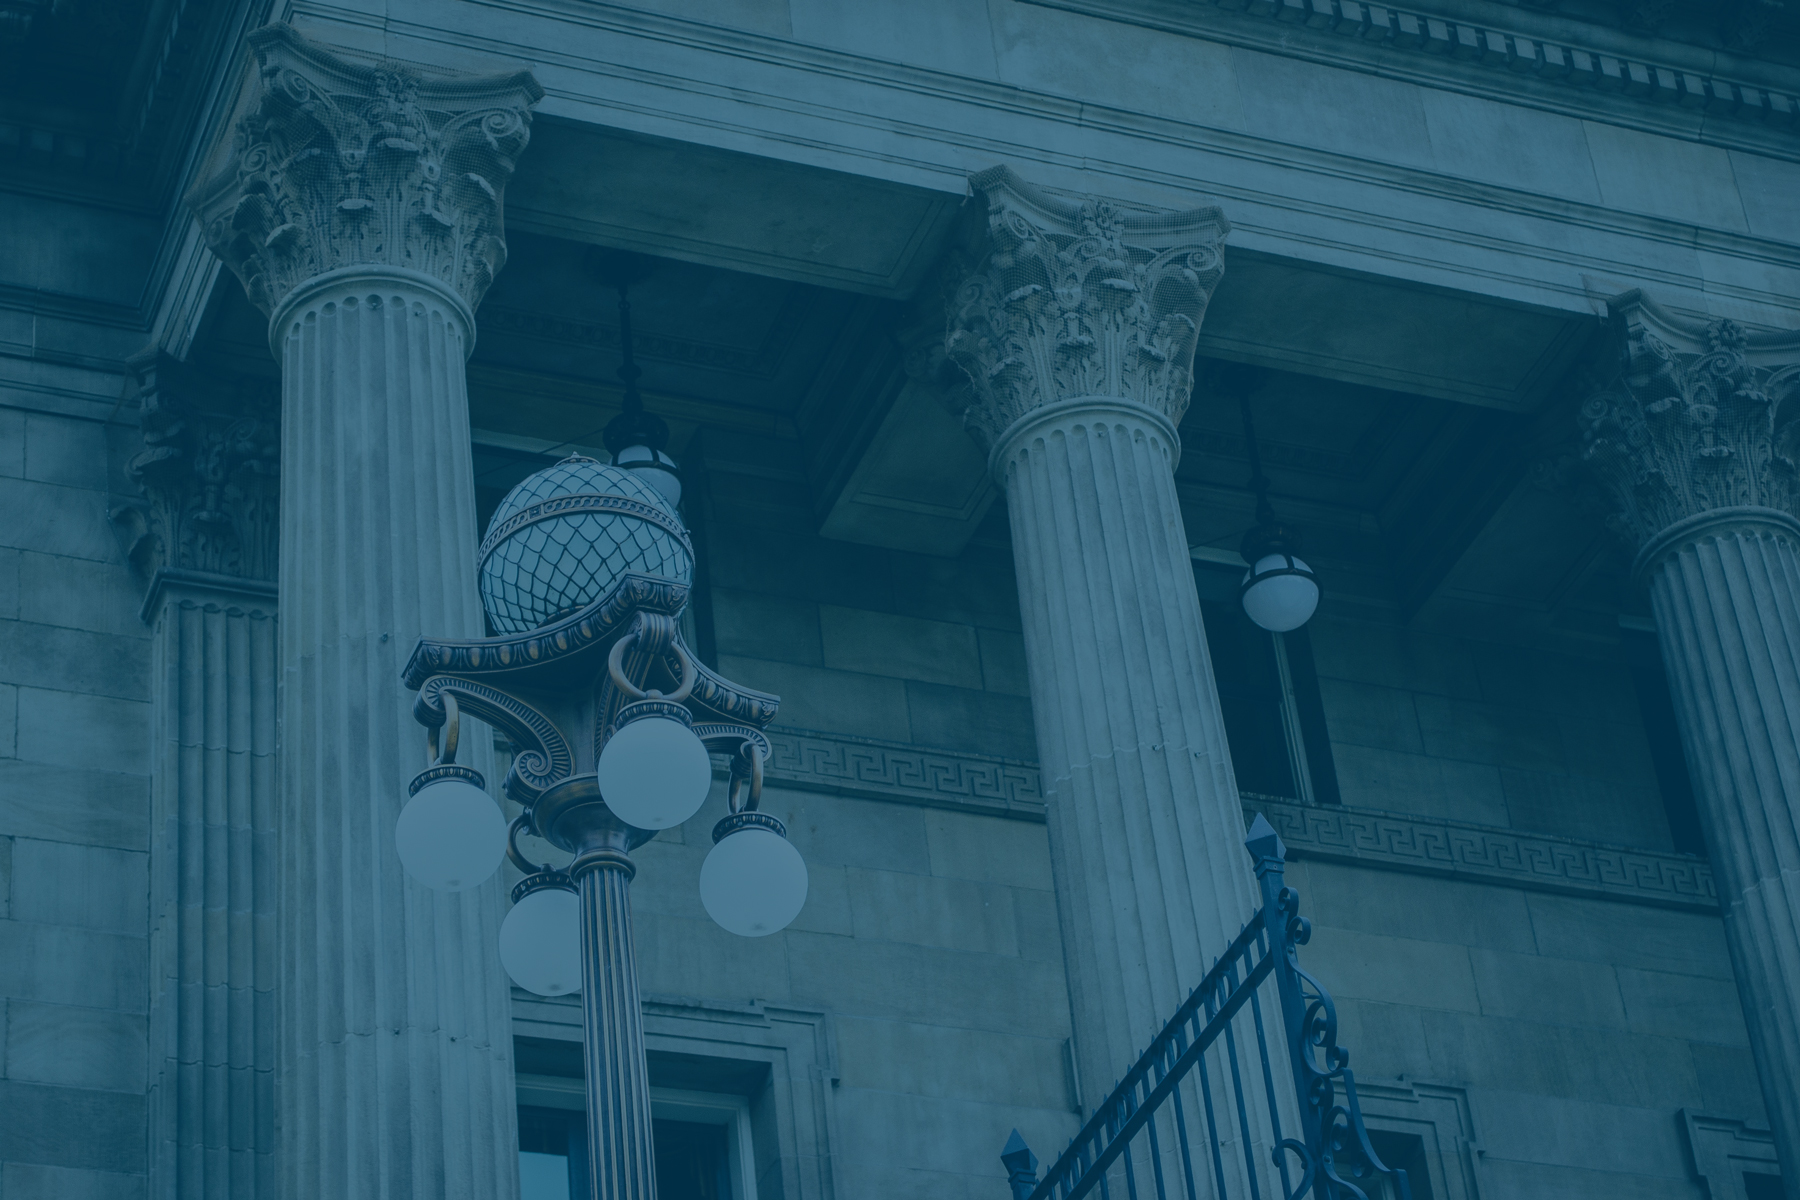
pixel 1070 300
pixel 1691 421
pixel 209 476
pixel 337 163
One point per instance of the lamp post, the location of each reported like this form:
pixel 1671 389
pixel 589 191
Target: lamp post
pixel 584 572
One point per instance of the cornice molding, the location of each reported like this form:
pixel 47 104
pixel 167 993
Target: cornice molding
pixel 1503 64
pixel 1010 788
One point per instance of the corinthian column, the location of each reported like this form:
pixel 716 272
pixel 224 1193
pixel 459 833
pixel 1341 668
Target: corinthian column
pixel 1077 327
pixel 361 207
pixel 204 534
pixel 1686 442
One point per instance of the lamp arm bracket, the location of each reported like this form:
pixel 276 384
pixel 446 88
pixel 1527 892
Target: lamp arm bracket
pixel 658 643
pixel 522 824
pixel 749 750
pixel 541 755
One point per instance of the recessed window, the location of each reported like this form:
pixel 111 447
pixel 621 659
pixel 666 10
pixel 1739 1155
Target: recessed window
pixel 1657 706
pixel 1758 1186
pixel 702 1143
pixel 1274 719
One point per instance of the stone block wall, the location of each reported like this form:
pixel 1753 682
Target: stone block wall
pixel 1575 1028
pixel 1489 732
pixel 864 641
pixel 74 805
pixel 929 936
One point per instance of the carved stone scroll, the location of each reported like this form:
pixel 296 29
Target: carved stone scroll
pixel 342 163
pixel 1072 300
pixel 1694 442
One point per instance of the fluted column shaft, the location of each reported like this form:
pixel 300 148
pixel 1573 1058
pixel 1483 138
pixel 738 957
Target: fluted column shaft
pixel 618 1119
pixel 213 879
pixel 1076 326
pixel 1725 588
pixel 1146 829
pixel 1684 438
pixel 395 1051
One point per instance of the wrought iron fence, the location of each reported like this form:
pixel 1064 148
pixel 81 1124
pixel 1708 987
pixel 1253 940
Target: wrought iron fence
pixel 1126 1138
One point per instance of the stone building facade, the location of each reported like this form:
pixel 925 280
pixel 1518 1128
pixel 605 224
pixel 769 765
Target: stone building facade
pixel 956 311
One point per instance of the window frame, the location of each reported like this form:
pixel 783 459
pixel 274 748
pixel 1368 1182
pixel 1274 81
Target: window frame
pixel 1293 721
pixel 666 1104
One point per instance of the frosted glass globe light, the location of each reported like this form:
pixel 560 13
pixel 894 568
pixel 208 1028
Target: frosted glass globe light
pixel 753 882
pixel 451 835
pixel 654 468
pixel 540 940
pixel 1280 592
pixel 653 772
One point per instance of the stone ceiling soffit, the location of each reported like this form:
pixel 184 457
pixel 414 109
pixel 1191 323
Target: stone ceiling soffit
pixel 83 152
pixel 509 399
pixel 1453 493
pixel 788 220
pixel 921 484
pixel 1756 107
pixel 1364 329
pixel 849 397
pixel 762 363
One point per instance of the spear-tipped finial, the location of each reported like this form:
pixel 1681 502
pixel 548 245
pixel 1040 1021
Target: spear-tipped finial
pixel 1263 842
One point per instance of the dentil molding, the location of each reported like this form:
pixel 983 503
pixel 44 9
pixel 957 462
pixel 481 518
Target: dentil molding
pixel 1063 301
pixel 1690 422
pixel 336 163
pixel 1514 65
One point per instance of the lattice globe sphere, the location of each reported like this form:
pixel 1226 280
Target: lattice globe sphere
pixel 564 537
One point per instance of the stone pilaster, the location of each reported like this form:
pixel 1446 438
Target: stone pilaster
pixel 1076 325
pixel 204 534
pixel 360 204
pixel 1687 442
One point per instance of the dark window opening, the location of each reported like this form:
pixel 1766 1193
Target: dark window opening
pixel 1758 1186
pixel 1269 694
pixel 1657 706
pixel 1402 1152
pixel 693 1160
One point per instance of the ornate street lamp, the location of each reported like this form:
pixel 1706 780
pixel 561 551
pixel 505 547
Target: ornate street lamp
pixel 1279 591
pixel 611 720
pixel 637 440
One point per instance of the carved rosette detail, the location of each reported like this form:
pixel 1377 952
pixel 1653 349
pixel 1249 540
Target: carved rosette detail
pixel 209 477
pixel 1074 300
pixel 337 163
pixel 1690 424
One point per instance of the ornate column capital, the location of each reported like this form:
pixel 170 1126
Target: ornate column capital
pixel 1689 429
pixel 1067 301
pixel 209 474
pixel 335 163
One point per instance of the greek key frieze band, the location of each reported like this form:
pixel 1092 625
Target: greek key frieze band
pixel 1363 837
